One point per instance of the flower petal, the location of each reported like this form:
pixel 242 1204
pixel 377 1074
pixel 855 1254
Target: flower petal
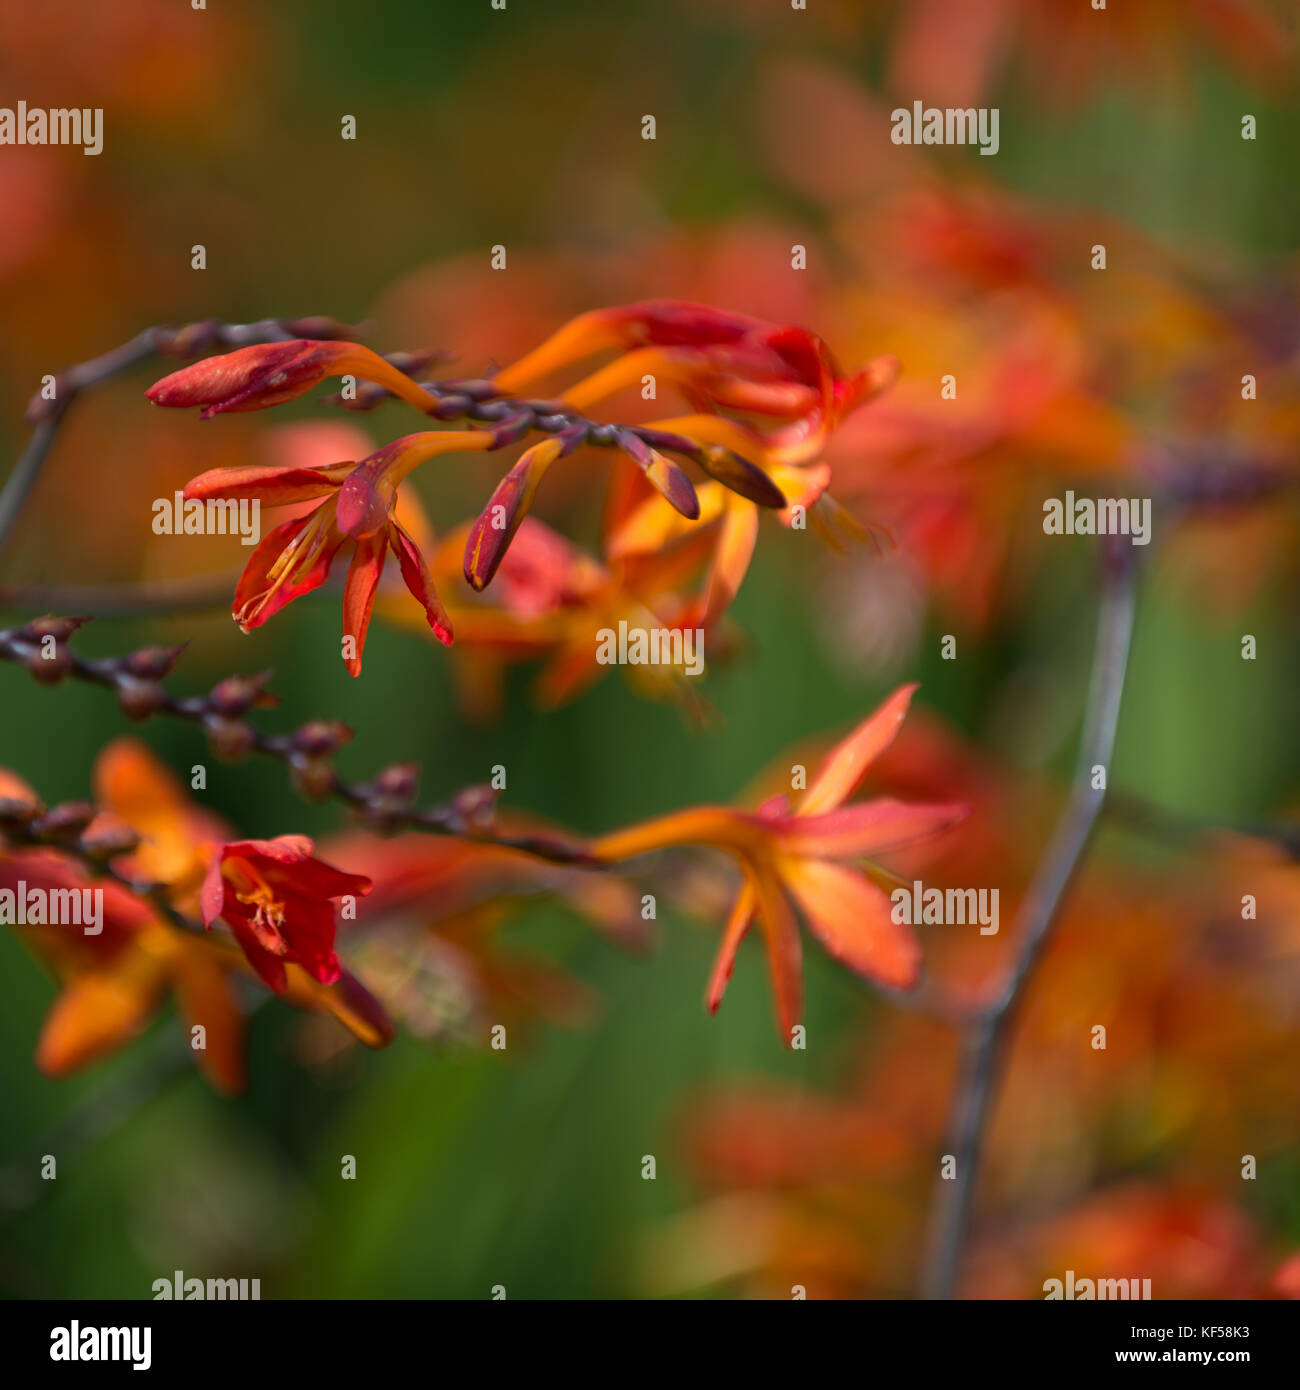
pixel 738 924
pixel 359 595
pixel 274 576
pixel 737 473
pixel 415 574
pixel 853 920
pixel 735 549
pixel 784 954
pixel 844 768
pixel 98 1012
pixel 205 997
pixel 866 828
pixel 274 485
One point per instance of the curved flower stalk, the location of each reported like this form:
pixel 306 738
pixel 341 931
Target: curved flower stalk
pixel 805 858
pixel 783 376
pixel 166 860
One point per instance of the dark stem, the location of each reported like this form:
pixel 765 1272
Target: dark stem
pixel 47 415
pixel 386 803
pixel 986 1035
pixel 477 399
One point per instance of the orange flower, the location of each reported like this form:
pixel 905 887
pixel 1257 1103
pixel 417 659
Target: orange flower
pixel 276 897
pixel 550 602
pixel 251 378
pixel 113 983
pixel 802 857
pixel 719 360
pixel 360 501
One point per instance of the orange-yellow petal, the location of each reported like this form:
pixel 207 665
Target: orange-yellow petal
pixel 852 919
pixel 739 922
pixel 846 765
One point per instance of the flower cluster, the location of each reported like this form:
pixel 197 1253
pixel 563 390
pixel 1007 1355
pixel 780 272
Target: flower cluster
pixel 765 399
pixel 174 872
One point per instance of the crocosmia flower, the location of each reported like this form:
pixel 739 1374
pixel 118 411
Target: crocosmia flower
pixel 804 860
pixel 278 900
pixel 265 374
pixel 359 505
pixel 718 360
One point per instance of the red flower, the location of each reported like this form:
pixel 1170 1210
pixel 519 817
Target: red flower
pixel 358 503
pixel 251 378
pixel 278 900
pixel 719 360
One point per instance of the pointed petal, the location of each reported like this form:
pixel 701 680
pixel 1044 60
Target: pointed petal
pixel 866 828
pixel 843 771
pixel 784 955
pixel 662 473
pixel 275 486
pixel 581 337
pixel 359 595
pixel 132 784
pixel 415 574
pixel 672 481
pixel 266 585
pixel 735 549
pixel 738 925
pixel 270 968
pixel 212 896
pixel 205 998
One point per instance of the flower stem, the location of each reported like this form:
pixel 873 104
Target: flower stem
pixel 985 1037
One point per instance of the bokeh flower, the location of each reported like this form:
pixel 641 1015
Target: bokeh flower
pixel 803 860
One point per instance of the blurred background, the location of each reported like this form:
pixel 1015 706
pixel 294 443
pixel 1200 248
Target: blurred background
pixel 522 127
